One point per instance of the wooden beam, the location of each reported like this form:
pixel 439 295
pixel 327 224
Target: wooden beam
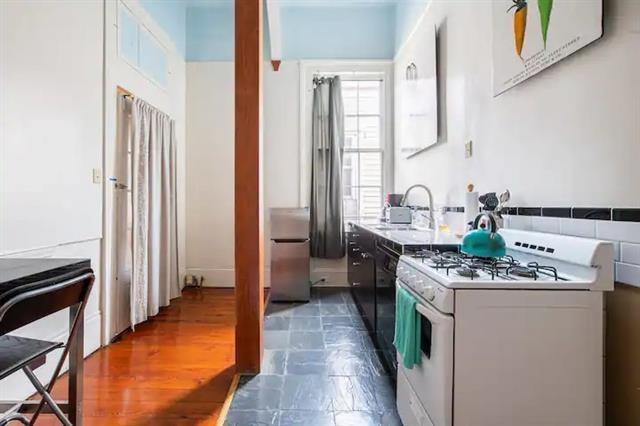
pixel 249 245
pixel 275 32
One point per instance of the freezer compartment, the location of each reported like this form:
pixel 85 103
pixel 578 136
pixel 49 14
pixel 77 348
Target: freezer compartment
pixel 289 223
pixel 290 271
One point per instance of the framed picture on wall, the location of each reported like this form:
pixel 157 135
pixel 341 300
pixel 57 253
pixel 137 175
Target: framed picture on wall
pixel 532 35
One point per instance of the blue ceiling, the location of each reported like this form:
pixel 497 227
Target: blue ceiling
pixel 311 29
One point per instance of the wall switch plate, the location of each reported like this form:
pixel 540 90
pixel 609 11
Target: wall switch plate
pixel 97 175
pixel 468 149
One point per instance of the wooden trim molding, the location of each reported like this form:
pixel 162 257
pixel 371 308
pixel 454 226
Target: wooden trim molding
pixel 249 242
pixel 227 401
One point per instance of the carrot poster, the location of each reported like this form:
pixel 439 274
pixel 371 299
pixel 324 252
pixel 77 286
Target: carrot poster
pixel 532 35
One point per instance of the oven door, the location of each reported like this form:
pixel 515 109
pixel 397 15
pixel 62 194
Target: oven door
pixel 431 382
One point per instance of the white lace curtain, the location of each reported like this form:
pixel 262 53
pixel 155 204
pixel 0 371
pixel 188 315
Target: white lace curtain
pixel 155 248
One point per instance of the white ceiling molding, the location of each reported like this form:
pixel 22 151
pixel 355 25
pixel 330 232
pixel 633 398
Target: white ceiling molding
pixel 275 32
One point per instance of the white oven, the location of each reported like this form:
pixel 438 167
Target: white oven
pixel 425 392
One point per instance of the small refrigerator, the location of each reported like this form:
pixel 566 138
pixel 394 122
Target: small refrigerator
pixel 290 275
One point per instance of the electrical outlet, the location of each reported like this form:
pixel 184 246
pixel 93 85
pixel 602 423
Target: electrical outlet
pixel 97 175
pixel 468 149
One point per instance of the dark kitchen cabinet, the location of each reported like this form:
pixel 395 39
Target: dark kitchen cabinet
pixel 361 273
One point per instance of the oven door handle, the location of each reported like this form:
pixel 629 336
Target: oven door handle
pixel 432 314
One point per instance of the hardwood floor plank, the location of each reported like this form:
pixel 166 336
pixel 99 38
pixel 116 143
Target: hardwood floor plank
pixel 175 369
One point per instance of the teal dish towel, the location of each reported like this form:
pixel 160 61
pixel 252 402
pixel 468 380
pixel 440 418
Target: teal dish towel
pixel 408 328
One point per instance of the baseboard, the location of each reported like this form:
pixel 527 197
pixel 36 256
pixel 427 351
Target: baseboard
pixel 18 387
pixel 225 278
pixel 330 277
pixel 221 278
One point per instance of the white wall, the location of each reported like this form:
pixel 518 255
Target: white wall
pixel 569 136
pixel 210 157
pixel 210 172
pixel 53 119
pixel 170 100
pixel 51 64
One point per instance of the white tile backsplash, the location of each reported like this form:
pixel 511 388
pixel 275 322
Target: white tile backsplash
pixel 545 224
pixel 625 237
pixel 520 222
pixel 628 274
pixel 618 231
pixel 630 253
pixel 578 227
pixel 616 250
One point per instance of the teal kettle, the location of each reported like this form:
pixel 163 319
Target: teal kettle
pixel 483 242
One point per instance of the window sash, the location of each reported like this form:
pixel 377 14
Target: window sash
pixel 355 191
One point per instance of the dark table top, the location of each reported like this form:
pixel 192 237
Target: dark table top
pixel 33 273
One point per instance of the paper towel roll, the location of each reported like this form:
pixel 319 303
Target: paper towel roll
pixel 471 207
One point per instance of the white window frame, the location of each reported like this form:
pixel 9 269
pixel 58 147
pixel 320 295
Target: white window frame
pixel 350 70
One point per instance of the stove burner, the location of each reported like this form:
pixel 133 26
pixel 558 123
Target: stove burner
pixel 506 267
pixel 548 270
pixel 467 272
pixel 522 271
pixel 424 254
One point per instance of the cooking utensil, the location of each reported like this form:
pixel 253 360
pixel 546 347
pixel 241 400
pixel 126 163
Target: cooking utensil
pixel 504 198
pixel 483 240
pixel 489 201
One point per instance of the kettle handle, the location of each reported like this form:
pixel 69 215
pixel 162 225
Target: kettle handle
pixel 494 225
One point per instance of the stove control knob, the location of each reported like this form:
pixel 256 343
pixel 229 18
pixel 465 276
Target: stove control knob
pixel 428 293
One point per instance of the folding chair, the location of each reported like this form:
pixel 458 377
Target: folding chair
pixel 25 304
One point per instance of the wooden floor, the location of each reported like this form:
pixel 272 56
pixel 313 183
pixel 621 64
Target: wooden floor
pixel 175 369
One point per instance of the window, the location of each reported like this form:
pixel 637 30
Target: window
pixel 140 48
pixel 363 147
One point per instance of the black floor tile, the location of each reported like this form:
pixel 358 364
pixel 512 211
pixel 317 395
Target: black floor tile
pixel 306 311
pixel 306 324
pixel 280 309
pixel 369 418
pixel 335 309
pixel 274 362
pixel 320 367
pixel 349 362
pixel 307 393
pixel 252 417
pixel 261 392
pixel 280 323
pixel 306 340
pixel 347 339
pixel 276 339
pixel 307 418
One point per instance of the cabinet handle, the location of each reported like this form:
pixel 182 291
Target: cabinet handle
pixel 356 284
pixel 356 263
pixel 356 249
pixel 352 243
pixel 354 234
pixel 365 255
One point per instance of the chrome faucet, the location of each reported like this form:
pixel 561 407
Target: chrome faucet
pixel 403 203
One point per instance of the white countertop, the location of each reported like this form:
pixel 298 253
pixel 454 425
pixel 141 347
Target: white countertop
pixel 406 234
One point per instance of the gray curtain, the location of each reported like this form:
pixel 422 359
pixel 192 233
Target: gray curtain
pixel 327 222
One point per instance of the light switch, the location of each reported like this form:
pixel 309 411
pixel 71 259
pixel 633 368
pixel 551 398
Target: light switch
pixel 97 175
pixel 468 149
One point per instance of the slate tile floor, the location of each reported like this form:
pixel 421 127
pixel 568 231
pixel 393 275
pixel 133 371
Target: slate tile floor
pixel 319 368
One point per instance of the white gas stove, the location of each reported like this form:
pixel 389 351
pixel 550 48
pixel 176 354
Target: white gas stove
pixel 525 331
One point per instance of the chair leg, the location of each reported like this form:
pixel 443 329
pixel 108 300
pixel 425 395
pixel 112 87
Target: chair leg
pixel 46 396
pixel 15 416
pixel 79 312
